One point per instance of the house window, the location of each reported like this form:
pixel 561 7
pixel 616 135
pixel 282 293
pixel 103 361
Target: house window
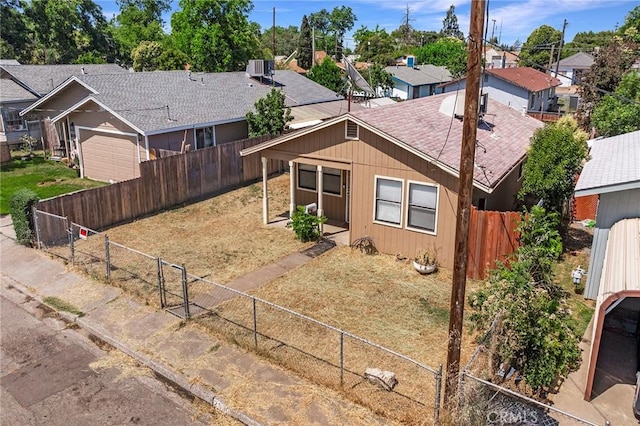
pixel 388 201
pixel 423 203
pixel 351 130
pixel 204 137
pixel 532 101
pixel 12 120
pixel 331 179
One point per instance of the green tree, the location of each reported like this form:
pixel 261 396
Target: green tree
pixel 15 36
pixel 146 56
pixel 587 41
pixel 172 59
pixel 286 40
pixel 271 115
pixel 534 332
pixel 374 46
pixel 305 45
pixel 328 74
pixel 65 29
pixel 321 22
pixel 631 27
pixel 450 27
pixel 619 113
pixel 536 51
pixel 342 20
pixel 379 78
pixel 604 76
pixel 448 52
pixel 216 35
pixel 138 21
pixel 556 154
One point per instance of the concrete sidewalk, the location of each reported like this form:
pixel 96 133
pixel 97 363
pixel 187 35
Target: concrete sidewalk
pixel 234 381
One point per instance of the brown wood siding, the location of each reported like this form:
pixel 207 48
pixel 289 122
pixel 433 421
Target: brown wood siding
pixel 503 198
pixel 172 141
pixel 98 120
pixel 231 132
pixel 334 206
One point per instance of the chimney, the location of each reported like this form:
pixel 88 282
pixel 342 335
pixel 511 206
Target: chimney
pixel 82 70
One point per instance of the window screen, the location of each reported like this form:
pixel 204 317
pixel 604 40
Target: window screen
pixel 388 201
pixel 422 206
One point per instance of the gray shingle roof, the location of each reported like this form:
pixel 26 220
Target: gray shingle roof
pixel 10 91
pixel 579 60
pixel 614 165
pixel 503 136
pixel 43 78
pixel 142 98
pixel 420 75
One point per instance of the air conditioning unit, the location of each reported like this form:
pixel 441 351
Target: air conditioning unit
pixel 260 68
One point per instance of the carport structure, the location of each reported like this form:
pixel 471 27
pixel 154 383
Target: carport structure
pixel 620 281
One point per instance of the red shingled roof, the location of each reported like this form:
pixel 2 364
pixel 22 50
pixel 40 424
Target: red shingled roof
pixel 525 77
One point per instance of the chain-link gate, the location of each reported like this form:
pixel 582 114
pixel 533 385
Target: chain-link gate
pixel 172 287
pixel 51 231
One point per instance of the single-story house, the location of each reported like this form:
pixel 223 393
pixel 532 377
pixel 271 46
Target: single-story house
pixel 571 68
pixel 113 122
pixel 495 58
pixel 417 81
pixel 391 173
pixel 522 88
pixel 613 278
pixel 21 85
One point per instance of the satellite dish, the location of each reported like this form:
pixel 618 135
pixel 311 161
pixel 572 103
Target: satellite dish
pixel 357 79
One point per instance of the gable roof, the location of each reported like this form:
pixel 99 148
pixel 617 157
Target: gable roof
pixel 613 165
pixel 420 127
pixel 525 77
pixel 41 79
pixel 160 101
pixel 420 75
pixel 580 60
pixel 10 91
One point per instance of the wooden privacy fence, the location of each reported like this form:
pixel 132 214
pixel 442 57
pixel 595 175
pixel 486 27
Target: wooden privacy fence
pixel 163 183
pixel 492 237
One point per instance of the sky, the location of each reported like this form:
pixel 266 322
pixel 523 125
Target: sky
pixel 514 20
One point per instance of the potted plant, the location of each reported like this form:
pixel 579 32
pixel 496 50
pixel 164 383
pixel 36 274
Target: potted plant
pixel 426 261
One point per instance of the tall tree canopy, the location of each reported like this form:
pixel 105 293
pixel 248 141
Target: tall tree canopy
pixel 15 36
pixel 375 46
pixel 619 113
pixel 138 21
pixel 331 28
pixel 536 51
pixel 286 40
pixel 66 29
pixel 450 27
pixel 587 41
pixel 216 35
pixel 631 27
pixel 449 52
pixel 305 45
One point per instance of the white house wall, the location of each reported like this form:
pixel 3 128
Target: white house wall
pixel 565 75
pixel 612 207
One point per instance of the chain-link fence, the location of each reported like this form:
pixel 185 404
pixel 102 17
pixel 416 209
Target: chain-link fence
pixel 318 351
pixel 481 401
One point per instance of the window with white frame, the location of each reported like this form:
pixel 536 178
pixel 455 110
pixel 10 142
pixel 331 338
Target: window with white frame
pixel 422 206
pixel 331 179
pixel 388 203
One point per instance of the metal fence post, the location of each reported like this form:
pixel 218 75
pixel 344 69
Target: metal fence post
pixel 163 300
pixel 34 214
pixel 461 384
pixel 436 413
pixel 107 256
pixel 185 292
pixel 341 358
pixel 71 248
pixel 255 324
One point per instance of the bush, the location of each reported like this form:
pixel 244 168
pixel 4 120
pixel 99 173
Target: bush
pixel 20 206
pixel 306 226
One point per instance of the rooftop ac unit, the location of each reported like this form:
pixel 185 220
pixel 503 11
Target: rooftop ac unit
pixel 260 68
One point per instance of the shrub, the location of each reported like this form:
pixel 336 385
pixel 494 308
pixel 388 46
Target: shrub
pixel 20 206
pixel 306 226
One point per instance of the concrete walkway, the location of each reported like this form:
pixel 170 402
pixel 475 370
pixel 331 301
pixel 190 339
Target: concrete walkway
pixel 237 382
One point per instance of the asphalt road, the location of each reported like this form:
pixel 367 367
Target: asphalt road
pixel 52 374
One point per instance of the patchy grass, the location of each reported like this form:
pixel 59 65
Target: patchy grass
pixel 60 305
pixel 46 178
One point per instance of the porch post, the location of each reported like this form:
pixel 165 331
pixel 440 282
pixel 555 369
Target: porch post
pixel 292 189
pixel 265 197
pixel 320 193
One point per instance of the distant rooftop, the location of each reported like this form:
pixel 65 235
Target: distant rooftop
pixel 420 74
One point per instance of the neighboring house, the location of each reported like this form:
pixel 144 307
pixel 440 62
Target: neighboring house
pixel 21 85
pixel 494 58
pixel 524 89
pixel 570 69
pixel 613 278
pixel 417 81
pixel 113 122
pixel 391 173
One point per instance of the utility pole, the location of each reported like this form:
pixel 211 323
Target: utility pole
pixel 551 58
pixel 465 189
pixel 273 36
pixel 564 27
pixel 493 30
pixel 313 45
